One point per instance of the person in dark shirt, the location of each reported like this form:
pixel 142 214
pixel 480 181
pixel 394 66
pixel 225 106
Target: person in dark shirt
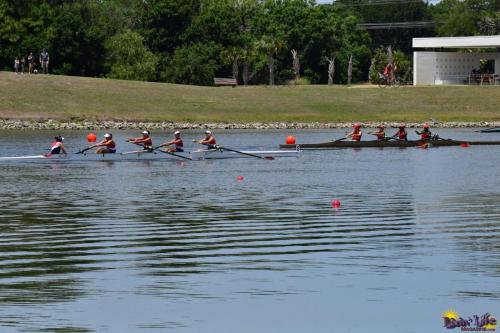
pixel 31 63
pixel 44 61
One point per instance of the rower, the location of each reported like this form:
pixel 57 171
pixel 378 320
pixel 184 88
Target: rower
pixel 209 140
pixel 401 134
pixel 176 142
pixel 356 133
pixel 57 146
pixel 108 145
pixel 426 133
pixel 144 141
pixel 380 134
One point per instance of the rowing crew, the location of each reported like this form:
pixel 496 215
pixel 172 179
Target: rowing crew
pixel 108 144
pixel 401 134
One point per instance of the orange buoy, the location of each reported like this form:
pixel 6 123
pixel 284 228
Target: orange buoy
pixel 336 203
pixel 290 140
pixel 91 137
pixel 240 178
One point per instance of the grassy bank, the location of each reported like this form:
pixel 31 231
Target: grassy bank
pixel 65 98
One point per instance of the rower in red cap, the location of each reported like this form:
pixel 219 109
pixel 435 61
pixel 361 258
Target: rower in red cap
pixel 426 133
pixel 178 145
pixel 106 146
pixel 144 141
pixel 356 133
pixel 209 140
pixel 401 134
pixel 380 134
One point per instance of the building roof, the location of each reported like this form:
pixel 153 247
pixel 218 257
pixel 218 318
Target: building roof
pixel 457 42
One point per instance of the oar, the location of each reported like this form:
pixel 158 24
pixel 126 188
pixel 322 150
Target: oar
pixel 158 148
pixel 485 130
pixel 173 154
pixel 136 152
pixel 341 139
pixel 84 150
pixel 241 152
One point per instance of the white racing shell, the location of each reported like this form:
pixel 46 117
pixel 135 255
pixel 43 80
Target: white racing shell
pixel 196 155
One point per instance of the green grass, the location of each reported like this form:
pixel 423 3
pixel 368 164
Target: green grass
pixel 65 98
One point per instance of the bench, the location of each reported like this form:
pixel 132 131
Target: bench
pixel 225 82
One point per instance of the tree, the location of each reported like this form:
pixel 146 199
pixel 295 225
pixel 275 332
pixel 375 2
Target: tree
pixel 467 17
pixel 249 57
pixel 194 64
pixel 163 22
pixel 331 69
pixel 384 13
pixel 400 60
pixel 129 59
pixel 270 46
pixel 233 56
pixel 296 65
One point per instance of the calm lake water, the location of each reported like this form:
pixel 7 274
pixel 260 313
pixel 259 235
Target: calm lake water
pixel 185 247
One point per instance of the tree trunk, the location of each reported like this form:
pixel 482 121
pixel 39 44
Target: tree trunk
pixel 296 65
pixel 270 63
pixel 331 70
pixel 390 62
pixel 349 71
pixel 246 74
pixel 236 68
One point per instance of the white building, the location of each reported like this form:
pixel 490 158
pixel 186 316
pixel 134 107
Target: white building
pixel 433 65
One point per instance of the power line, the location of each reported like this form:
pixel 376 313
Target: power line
pixel 397 25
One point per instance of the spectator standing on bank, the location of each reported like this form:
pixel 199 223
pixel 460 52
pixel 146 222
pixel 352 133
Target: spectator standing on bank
pixel 44 61
pixel 31 63
pixel 17 63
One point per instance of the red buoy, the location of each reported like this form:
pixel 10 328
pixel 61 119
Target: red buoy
pixel 240 178
pixel 290 140
pixel 464 145
pixel 336 203
pixel 91 137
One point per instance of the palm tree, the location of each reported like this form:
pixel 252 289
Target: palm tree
pixel 270 46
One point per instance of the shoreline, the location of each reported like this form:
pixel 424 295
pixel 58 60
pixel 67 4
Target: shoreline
pixel 130 125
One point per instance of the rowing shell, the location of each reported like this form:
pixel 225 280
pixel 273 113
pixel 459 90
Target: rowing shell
pixel 382 144
pixel 197 155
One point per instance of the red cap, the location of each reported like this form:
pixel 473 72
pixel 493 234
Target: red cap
pixel 426 125
pixel 357 125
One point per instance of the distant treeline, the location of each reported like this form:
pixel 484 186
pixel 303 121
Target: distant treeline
pixel 192 41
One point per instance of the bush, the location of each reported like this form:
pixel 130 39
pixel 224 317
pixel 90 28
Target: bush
pixel 129 59
pixel 193 64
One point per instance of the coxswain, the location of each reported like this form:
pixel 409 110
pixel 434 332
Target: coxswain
pixel 57 146
pixel 178 145
pixel 209 140
pixel 144 141
pixel 426 133
pixel 401 134
pixel 356 133
pixel 107 146
pixel 380 134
